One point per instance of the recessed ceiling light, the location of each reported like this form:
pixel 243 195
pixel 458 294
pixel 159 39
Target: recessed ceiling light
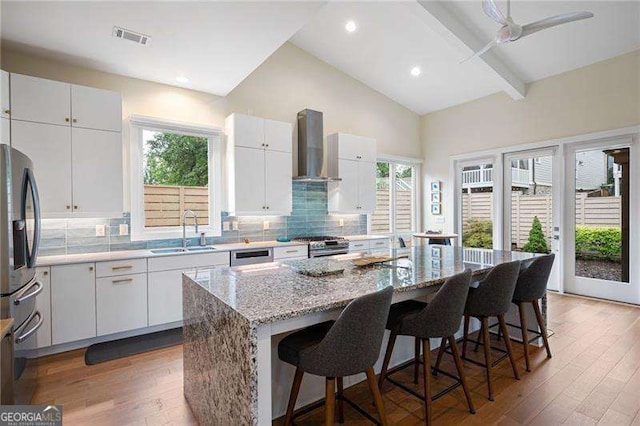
pixel 416 71
pixel 350 26
pixel 182 79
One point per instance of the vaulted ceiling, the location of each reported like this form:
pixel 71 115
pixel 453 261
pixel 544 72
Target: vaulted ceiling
pixel 217 44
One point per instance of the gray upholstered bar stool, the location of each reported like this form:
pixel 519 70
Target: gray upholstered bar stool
pixel 439 318
pixel 334 349
pixel 491 298
pixel 530 288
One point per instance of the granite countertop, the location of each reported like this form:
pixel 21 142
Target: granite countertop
pixel 140 254
pixel 271 292
pixel 5 326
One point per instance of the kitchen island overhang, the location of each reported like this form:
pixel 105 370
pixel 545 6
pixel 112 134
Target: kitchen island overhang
pixel 234 317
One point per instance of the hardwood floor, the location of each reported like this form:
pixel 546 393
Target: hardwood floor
pixel 593 378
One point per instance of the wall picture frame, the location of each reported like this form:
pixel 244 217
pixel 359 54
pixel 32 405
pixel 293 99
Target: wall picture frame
pixel 435 209
pixel 435 197
pixel 436 186
pixel 436 252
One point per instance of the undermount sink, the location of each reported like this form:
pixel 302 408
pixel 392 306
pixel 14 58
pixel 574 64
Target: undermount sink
pixel 181 250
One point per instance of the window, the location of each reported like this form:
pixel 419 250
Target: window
pixel 396 198
pixel 174 167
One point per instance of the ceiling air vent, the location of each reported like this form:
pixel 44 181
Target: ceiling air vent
pixel 133 36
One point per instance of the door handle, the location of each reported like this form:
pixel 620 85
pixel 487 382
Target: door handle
pixel 24 336
pixel 24 293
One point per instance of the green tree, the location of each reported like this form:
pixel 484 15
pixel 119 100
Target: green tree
pixel 537 242
pixel 173 159
pixel 478 234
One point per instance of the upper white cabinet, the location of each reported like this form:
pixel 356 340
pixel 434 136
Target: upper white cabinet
pixel 72 135
pixel 353 159
pixel 96 109
pixel 259 166
pixel 5 104
pixel 40 100
pixel 49 147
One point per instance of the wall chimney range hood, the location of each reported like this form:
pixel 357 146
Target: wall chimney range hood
pixel 311 148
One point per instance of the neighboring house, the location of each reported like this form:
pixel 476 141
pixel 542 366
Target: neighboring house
pixel 591 173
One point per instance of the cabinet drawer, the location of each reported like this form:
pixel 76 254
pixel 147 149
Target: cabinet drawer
pixel 359 245
pixel 381 244
pixel 288 252
pixel 188 261
pixel 121 267
pixel 121 303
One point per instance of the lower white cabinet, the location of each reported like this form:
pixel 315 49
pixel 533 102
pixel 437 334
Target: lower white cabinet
pixel 73 302
pixel 379 245
pixel 165 297
pixel 291 252
pixel 121 303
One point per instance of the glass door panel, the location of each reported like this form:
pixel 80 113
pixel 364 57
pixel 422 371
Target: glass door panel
pixel 477 205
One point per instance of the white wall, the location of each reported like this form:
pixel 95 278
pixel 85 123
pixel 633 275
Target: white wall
pixel 598 97
pixel 287 82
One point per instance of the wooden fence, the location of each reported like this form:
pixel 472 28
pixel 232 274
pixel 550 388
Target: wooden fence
pixel 590 211
pixel 380 219
pixel 163 205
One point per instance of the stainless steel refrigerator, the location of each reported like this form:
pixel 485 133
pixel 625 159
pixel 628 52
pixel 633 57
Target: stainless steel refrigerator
pixel 19 239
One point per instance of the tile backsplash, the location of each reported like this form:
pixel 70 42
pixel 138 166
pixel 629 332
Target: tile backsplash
pixel 309 217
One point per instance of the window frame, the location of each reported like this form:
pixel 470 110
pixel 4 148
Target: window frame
pixel 215 178
pixel 416 214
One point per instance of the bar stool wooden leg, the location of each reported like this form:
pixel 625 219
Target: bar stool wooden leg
pixel 487 356
pixel 330 405
pixel 377 398
pixel 507 342
pixel 340 400
pixel 387 358
pixel 525 338
pixel 295 388
pixel 463 380
pixel 481 338
pixel 416 360
pixel 465 336
pixel 426 349
pixel 543 327
pixel 443 345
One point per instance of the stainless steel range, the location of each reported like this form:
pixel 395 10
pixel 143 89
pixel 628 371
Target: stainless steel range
pixel 325 246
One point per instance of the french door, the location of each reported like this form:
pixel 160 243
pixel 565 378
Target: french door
pixel 531 205
pixel 601 213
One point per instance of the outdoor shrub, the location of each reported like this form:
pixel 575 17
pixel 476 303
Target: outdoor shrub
pixel 598 242
pixel 537 242
pixel 479 234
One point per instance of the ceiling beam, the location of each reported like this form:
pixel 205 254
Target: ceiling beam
pixel 441 20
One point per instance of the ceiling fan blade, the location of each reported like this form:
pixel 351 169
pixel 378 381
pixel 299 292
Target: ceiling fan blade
pixel 553 21
pixel 491 9
pixel 481 51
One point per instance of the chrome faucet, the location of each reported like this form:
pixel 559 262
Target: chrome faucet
pixel 184 226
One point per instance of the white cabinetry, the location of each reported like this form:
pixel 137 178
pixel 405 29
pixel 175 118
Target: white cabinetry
pixel 165 283
pixel 291 252
pixel 374 245
pixel 259 165
pixel 5 108
pixel 42 338
pixel 72 134
pixel 121 303
pixel 353 159
pixel 73 302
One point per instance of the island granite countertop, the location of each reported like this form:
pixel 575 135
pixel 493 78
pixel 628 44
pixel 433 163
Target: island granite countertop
pixel 276 291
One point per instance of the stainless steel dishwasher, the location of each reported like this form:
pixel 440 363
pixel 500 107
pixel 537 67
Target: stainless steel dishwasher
pixel 251 256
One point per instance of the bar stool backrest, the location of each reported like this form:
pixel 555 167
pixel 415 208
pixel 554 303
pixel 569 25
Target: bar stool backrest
pixel 352 345
pixel 441 317
pixel 494 293
pixel 533 278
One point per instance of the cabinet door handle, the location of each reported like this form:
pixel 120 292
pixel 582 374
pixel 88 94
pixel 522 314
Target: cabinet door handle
pixel 7 111
pixel 119 268
pixel 68 207
pixel 267 145
pixel 75 120
pixel 66 119
pixel 75 207
pixel 124 280
pixel 267 207
pixel 292 251
pixel 91 268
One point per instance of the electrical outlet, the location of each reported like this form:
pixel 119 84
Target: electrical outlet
pixel 124 229
pixel 101 230
pixel 340 222
pixel 439 220
pixel 265 225
pixel 234 225
pixel 225 226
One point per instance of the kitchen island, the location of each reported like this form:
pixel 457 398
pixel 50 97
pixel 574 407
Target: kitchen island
pixel 234 318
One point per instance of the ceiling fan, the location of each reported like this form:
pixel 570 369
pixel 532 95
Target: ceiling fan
pixel 510 31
